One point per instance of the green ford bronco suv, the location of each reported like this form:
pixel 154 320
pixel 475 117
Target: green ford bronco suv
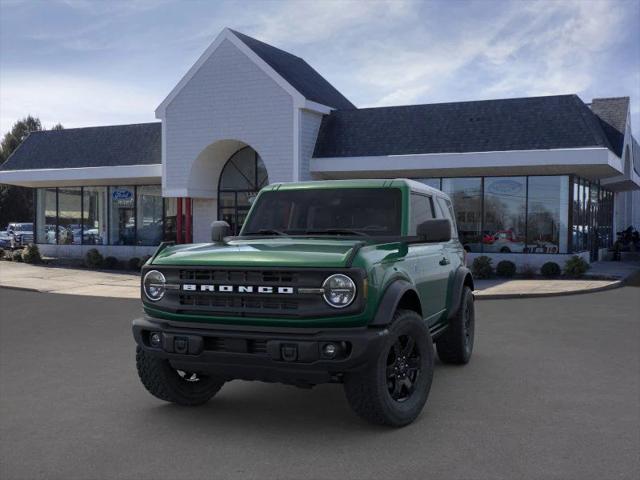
pixel 348 281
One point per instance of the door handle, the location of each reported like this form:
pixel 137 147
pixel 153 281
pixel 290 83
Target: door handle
pixel 444 261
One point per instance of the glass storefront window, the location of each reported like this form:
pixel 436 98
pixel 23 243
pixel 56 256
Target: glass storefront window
pixel 149 215
pixel 577 216
pixel 593 215
pixel 580 215
pixel 466 195
pixel 430 182
pixel 122 219
pixel 46 215
pixel 94 217
pixel 70 216
pixel 104 216
pixel 547 214
pixel 170 219
pixel 586 224
pixel 606 224
pixel 242 177
pixel 505 200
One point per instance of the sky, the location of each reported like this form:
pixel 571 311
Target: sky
pixel 86 63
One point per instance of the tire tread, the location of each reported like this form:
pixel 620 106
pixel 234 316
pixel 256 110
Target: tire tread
pixel 363 390
pixel 450 345
pixel 160 381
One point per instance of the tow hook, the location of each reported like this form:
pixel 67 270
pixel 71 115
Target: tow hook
pixel 289 352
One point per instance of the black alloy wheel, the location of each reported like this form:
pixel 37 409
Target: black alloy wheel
pixel 393 388
pixel 403 368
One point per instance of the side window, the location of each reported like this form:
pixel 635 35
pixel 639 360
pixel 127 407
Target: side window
pixel 447 210
pixel 421 210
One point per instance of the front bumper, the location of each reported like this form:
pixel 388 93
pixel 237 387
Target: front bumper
pixel 286 355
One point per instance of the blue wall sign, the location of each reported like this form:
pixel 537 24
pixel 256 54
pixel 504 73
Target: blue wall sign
pixel 122 194
pixel 506 187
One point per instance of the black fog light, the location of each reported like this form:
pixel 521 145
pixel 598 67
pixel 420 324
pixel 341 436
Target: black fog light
pixel 155 339
pixel 329 350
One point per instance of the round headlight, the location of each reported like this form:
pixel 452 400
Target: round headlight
pixel 153 285
pixel 339 290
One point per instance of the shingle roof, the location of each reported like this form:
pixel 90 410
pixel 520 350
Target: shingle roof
pixel 612 113
pixel 298 73
pixel 532 123
pixel 114 145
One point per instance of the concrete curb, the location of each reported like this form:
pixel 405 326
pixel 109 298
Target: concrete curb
pixel 24 289
pixel 505 296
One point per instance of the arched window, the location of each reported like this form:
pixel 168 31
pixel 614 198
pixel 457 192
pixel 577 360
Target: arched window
pixel 242 177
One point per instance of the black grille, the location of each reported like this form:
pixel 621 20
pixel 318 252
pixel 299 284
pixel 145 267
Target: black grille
pixel 254 304
pixel 238 345
pixel 236 302
pixel 262 277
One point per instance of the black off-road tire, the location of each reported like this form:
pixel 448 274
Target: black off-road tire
pixel 455 345
pixel 370 392
pixel 166 383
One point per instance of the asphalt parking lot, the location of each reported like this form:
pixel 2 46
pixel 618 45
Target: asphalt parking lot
pixel 553 391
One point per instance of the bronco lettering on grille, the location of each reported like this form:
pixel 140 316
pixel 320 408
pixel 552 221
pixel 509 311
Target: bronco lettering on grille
pixel 193 287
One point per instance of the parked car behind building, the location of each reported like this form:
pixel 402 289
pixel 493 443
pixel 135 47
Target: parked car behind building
pixel 19 234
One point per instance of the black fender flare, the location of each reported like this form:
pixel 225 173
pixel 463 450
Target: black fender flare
pixel 390 300
pixel 462 275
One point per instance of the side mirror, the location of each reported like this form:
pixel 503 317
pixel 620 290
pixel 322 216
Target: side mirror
pixel 219 230
pixel 434 230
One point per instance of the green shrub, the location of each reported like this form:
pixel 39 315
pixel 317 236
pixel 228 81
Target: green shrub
pixel 93 258
pixel 481 267
pixel 16 256
pixel 528 271
pixel 134 263
pixel 31 254
pixel 576 266
pixel 506 268
pixel 550 270
pixel 110 263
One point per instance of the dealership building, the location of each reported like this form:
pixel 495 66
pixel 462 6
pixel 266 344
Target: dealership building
pixel 532 179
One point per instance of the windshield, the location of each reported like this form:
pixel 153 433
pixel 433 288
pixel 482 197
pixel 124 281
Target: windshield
pixel 344 211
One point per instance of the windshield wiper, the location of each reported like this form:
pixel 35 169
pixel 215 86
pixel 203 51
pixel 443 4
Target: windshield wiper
pixel 336 231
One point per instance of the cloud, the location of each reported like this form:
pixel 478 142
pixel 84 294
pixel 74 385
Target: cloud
pixel 533 48
pixel 376 52
pixel 73 101
pixel 296 22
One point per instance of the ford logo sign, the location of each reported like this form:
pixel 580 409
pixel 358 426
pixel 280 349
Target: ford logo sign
pixel 505 187
pixel 121 194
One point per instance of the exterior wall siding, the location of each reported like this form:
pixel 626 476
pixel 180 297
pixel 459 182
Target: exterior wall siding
pixel 309 127
pixel 205 211
pixel 229 98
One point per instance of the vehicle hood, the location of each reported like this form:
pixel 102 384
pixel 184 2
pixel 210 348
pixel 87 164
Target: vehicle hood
pixel 275 252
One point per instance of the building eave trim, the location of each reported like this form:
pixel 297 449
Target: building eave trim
pixel 80 174
pixel 432 161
